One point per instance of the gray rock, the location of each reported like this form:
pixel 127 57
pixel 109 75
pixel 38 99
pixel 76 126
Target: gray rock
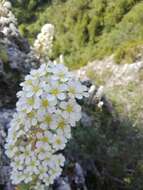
pixel 86 120
pixel 9 186
pixel 15 63
pixel 4 174
pixel 5 118
pixel 79 175
pixel 62 184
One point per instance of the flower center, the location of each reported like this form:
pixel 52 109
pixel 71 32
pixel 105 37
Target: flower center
pixel 36 89
pixel 31 114
pixel 45 103
pixel 30 101
pixel 61 75
pixel 61 124
pixel 29 82
pixel 69 109
pixel 55 91
pixel 48 119
pixel 33 163
pixel 58 141
pixel 72 90
pixel 45 139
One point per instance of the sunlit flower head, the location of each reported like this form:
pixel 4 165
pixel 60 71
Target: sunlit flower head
pixel 8 22
pixel 46 111
pixel 43 44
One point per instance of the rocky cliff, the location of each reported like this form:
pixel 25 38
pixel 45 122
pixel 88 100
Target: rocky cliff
pixel 15 63
pixel 122 84
pixel 106 149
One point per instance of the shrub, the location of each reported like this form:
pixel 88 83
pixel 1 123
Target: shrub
pixel 129 52
pixel 86 29
pixel 3 54
pixel 109 151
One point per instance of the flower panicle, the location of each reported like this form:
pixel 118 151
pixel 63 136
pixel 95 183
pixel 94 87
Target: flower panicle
pixel 46 111
pixel 8 22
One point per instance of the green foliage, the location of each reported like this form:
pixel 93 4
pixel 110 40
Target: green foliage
pixel 85 30
pixel 111 152
pixel 141 75
pixel 23 30
pixel 23 187
pixel 128 30
pixel 111 149
pixel 129 52
pixel 3 54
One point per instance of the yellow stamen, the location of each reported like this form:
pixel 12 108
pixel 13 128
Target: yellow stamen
pixel 31 114
pixel 48 119
pixel 45 139
pixel 36 88
pixel 72 90
pixel 29 82
pixel 45 103
pixel 69 109
pixel 55 91
pixel 58 141
pixel 30 101
pixel 61 124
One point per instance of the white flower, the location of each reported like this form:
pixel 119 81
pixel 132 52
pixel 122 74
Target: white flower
pixel 4 20
pixel 55 172
pixel 35 74
pixel 43 149
pixel 59 160
pixel 30 119
pixel 47 103
pixel 33 165
pixel 33 89
pixel 5 31
pixel 7 4
pixel 48 121
pixel 45 137
pixel 92 90
pixel 100 104
pixel 63 127
pixel 42 171
pixel 27 176
pixel 11 150
pixel 28 104
pixel 100 92
pixel 77 90
pixel 71 111
pixel 18 164
pixel 39 186
pixel 17 177
pixel 48 28
pixel 43 43
pixel 59 142
pixel 8 21
pixel 26 153
pixel 40 128
pixel 57 90
pixel 61 73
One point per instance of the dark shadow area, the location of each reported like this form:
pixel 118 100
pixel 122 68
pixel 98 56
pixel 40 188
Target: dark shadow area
pixel 109 150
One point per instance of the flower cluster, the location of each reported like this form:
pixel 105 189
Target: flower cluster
pixel 46 111
pixel 8 21
pixel 43 43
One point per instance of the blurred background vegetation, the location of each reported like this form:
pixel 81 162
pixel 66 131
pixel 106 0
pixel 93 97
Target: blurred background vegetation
pixel 85 29
pixel 111 149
